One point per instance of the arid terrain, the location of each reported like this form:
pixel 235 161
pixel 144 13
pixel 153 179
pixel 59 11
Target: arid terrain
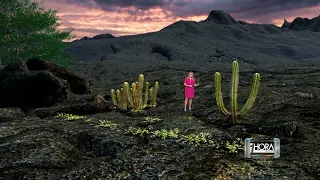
pixel 35 144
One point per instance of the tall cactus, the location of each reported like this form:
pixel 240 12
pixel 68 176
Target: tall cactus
pixel 234 113
pixel 133 97
pixel 153 95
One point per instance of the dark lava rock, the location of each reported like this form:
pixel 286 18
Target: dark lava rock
pixel 157 48
pixel 220 17
pixel 8 114
pixel 115 49
pixel 103 57
pixel 97 145
pixel 78 84
pixel 38 89
pixel 97 104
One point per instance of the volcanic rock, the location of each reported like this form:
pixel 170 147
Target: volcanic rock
pixel 31 89
pixel 78 84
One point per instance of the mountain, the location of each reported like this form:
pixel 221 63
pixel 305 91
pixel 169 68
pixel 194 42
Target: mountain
pixel 100 36
pixel 303 24
pixel 218 39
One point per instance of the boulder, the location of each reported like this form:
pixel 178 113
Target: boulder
pixel 96 104
pixel 31 89
pixel 78 84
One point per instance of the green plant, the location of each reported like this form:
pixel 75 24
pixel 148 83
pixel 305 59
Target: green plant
pixel 106 123
pixel 88 120
pixel 137 131
pixel 28 31
pixel 163 133
pixel 197 139
pixel 235 146
pixel 234 93
pixel 69 116
pixel 132 98
pixel 151 119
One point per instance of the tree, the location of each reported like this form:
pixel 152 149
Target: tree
pixel 28 31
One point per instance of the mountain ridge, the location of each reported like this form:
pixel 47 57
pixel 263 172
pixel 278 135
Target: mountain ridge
pixel 303 24
pixel 218 39
pixel 222 18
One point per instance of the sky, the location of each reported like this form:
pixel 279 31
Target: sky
pixel 129 17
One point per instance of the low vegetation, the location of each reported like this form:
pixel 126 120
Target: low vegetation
pixel 106 123
pixel 164 134
pixel 151 119
pixel 197 139
pixel 235 146
pixel 69 116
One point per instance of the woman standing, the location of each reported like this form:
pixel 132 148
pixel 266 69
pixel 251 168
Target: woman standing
pixel 189 83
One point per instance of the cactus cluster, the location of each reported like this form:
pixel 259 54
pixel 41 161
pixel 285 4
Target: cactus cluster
pixel 132 98
pixel 234 113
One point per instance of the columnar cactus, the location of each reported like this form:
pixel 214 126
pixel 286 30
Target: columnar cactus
pixel 133 97
pixel 153 95
pixel 234 113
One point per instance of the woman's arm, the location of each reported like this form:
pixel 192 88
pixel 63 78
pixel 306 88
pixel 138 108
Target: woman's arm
pixel 195 84
pixel 185 84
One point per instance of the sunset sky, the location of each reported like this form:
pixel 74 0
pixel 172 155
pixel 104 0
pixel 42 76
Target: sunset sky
pixel 127 17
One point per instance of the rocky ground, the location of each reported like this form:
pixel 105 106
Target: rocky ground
pixel 100 142
pixel 90 148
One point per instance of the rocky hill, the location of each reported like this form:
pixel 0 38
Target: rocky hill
pixel 303 24
pixel 218 37
pixel 100 36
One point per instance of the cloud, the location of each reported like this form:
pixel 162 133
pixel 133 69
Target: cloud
pixel 123 17
pixel 185 8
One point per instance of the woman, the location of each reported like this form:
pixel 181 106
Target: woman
pixel 189 83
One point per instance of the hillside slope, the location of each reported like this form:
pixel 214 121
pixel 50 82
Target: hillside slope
pixel 214 40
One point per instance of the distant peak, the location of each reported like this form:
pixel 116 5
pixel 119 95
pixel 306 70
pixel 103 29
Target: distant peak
pixel 220 17
pixel 103 36
pixel 100 36
pixel 300 23
pixel 285 23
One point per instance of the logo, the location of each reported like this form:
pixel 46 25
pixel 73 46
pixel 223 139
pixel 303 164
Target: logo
pixel 261 148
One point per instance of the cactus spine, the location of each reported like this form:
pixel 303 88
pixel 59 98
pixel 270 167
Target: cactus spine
pixel 234 113
pixel 133 97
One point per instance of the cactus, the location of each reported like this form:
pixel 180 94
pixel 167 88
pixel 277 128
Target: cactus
pixel 234 113
pixel 113 97
pixel 146 95
pixel 133 97
pixel 153 95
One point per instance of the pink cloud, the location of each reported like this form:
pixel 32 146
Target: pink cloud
pixel 89 18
